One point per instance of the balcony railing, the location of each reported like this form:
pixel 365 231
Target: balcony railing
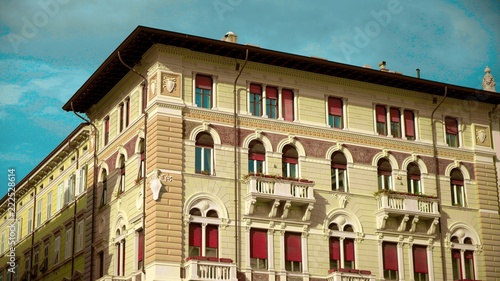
pixel 207 268
pixel 413 204
pixel 344 274
pixel 285 188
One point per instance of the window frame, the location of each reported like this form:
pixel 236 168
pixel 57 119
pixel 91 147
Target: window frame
pixel 106 130
pixel 255 96
pixel 338 169
pixel 395 122
pixel 384 176
pixel 272 102
pixel 410 124
pixel 290 163
pixel 288 104
pixel 104 183
pixel 258 249
pixel 414 179
pixel 391 271
pixel 457 185
pixel 256 159
pixel 452 133
pixel 420 271
pixel 293 258
pixel 202 150
pixel 381 120
pixel 203 239
pixel 203 91
pixel 335 116
pixel 140 248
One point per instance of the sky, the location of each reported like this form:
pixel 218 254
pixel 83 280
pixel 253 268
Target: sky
pixel 49 48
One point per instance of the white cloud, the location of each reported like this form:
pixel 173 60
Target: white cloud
pixel 10 94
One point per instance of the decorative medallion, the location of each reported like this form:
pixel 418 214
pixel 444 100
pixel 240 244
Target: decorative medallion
pixel 482 136
pixel 169 85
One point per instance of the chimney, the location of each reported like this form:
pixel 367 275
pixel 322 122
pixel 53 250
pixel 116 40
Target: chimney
pixel 382 66
pixel 230 37
pixel 418 72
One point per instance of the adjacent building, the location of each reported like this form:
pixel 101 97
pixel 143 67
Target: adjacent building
pixel 214 160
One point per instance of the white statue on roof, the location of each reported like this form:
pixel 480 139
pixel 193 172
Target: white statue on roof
pixel 488 81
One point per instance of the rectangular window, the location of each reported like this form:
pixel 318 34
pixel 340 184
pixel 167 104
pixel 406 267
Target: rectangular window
pixel 36 257
pixel 68 243
pixel 289 168
pixel 203 95
pixel 409 125
pixel 69 192
pixel 30 220
pixel 287 104
pixel 57 248
pixel 349 253
pixel 293 252
pixel 19 229
pixel 140 249
pixel 456 263
pixel 194 239
pixel 256 100
pixel 203 160
pixel 272 102
pixel 100 262
pixel 81 180
pixel 395 122
pixel 334 252
pixel 390 255
pixel 335 113
pixel 106 130
pixel 122 116
pixel 258 248
pixel 79 235
pixel 60 196
pixel 212 240
pixel 381 117
pixel 49 205
pixel 39 212
pixel 451 125
pixel 420 267
pixel 469 265
pixel 127 111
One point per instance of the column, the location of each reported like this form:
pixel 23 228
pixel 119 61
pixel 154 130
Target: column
pixel 410 262
pixel 247 248
pixel 295 105
pixel 388 120
pixel 344 113
pixel 193 95
pixel 430 262
pixel 270 254
pixel 402 123
pixel 341 239
pixel 203 240
pixel 264 100
pixel 248 98
pixel 282 256
pixel 280 104
pixel 305 261
pixel 401 270
pixel 214 92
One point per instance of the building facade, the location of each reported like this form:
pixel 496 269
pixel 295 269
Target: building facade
pixel 221 161
pixel 42 223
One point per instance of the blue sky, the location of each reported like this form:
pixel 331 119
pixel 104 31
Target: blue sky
pixel 49 48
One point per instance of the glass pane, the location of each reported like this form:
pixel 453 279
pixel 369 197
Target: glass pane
pixel 381 129
pixel 395 130
pixel 342 185
pixel 206 99
pixel 331 121
pixel 251 166
pixel 334 179
pixel 337 122
pixel 207 160
pixel 197 159
pixel 211 252
pixel 259 166
pixel 293 170
pixel 198 97
pixel 456 269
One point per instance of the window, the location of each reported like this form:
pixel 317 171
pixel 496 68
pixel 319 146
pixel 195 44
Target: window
pixel 256 157
pixel 127 111
pixel 293 252
pixel 69 191
pixel 30 220
pixel 258 248
pixel 287 104
pixel 100 262
pixel 290 161
pixel 256 100
pixel 196 238
pixel 121 186
pixel 19 229
pixel 413 176
pixel 27 262
pixel 338 171
pixel 39 212
pixel 467 270
pixel 203 92
pixel 140 249
pixel 104 195
pixel 335 112
pixel 122 117
pixel 68 243
pixel 384 175
pixel 81 180
pixel 106 130
pixel 457 188
pixel 144 96
pixel 60 196
pixel 334 252
pixel 272 102
pixel 420 267
pixel 390 255
pixel 120 257
pixel 395 122
pixel 2 246
pixel 203 153
pixel 49 205
pixel 36 258
pixel 57 248
pixel 142 163
pixel 341 247
pixel 381 117
pixel 451 125
pixel 409 125
pixel 79 235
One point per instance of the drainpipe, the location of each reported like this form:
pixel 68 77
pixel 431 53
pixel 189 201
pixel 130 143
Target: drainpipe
pixel 236 165
pixel 94 183
pixel 32 230
pixel 438 185
pixel 144 99
pixel 74 213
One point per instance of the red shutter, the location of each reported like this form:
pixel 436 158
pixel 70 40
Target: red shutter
pixel 395 115
pixel 255 89
pixel 451 125
pixel 390 256
pixel 469 255
pixel 290 160
pixel 271 93
pixel 258 247
pixel 204 82
pixel 195 234
pixel 409 124
pixel 212 233
pixel 380 111
pixel 457 182
pixel 339 166
pixel 349 249
pixel 420 259
pixel 414 177
pixel 293 251
pixel 334 248
pixel 140 254
pixel 334 106
pixel 455 254
pixel 287 98
pixel 256 156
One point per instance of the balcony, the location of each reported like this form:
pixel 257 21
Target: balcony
pixel 407 208
pixel 210 268
pixel 280 195
pixel 344 274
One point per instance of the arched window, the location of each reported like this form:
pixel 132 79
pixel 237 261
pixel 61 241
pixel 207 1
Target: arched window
pixel 384 174
pixel 290 162
pixel 104 181
pixel 120 253
pixel 457 188
pixel 413 176
pixel 256 157
pixel 203 229
pixel 338 171
pixel 121 186
pixel 462 255
pixel 204 153
pixel 341 247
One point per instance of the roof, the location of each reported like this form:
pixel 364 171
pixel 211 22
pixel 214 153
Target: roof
pixel 142 38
